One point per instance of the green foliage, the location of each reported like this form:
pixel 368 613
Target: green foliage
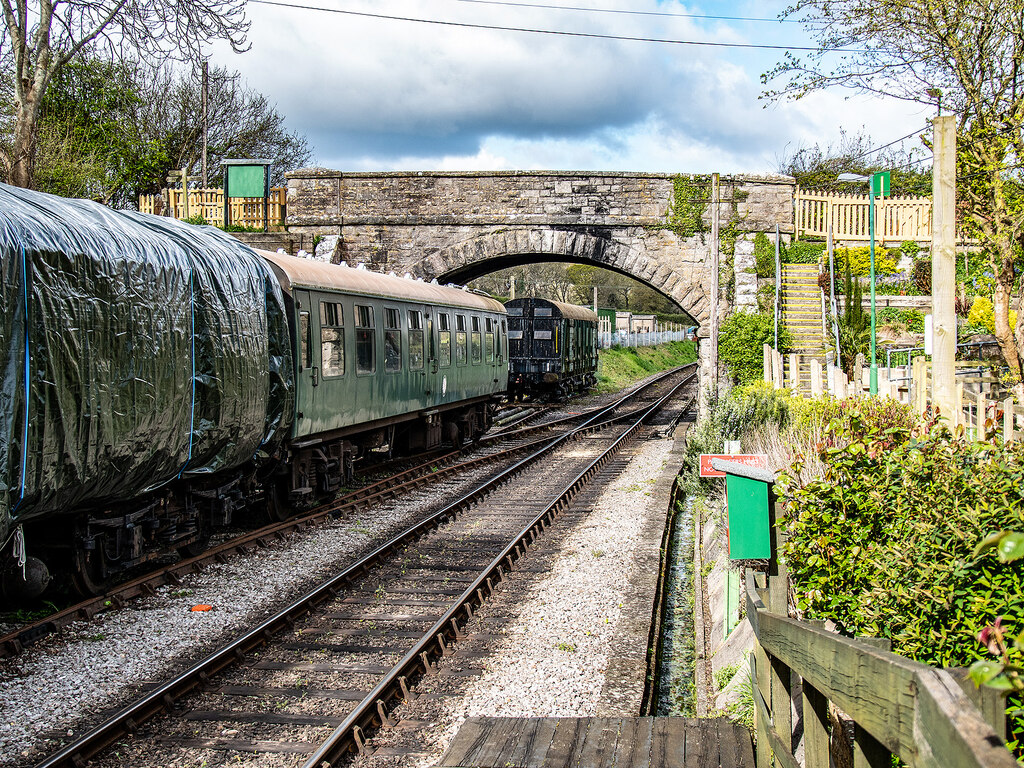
pixel 621 366
pixel 859 260
pixel 982 315
pixel 197 220
pixel 910 249
pixel 802 252
pixel 764 255
pixel 884 543
pixel 725 674
pixel 691 195
pixel 854 324
pixel 741 340
pixel 766 298
pixel 910 319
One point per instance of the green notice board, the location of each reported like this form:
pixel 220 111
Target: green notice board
pixel 749 536
pixel 246 181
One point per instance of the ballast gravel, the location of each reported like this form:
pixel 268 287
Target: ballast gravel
pixel 551 663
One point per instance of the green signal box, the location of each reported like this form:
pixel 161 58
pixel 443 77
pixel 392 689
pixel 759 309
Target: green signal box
pixel 880 184
pixel 246 178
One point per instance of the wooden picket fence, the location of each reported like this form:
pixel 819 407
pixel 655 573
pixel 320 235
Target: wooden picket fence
pixel 980 397
pixel 209 203
pixel 897 218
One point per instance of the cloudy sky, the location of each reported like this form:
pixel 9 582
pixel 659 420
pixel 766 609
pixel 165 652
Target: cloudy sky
pixel 384 94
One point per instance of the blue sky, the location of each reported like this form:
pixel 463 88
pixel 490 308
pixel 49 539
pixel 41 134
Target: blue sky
pixel 375 94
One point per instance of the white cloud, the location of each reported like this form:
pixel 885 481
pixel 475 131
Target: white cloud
pixel 374 94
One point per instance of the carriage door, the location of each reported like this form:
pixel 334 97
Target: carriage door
pixel 545 339
pixel 307 374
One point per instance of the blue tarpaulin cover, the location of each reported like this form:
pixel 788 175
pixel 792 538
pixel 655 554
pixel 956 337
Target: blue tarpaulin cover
pixel 154 349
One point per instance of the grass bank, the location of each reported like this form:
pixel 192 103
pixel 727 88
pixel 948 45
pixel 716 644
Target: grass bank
pixel 621 366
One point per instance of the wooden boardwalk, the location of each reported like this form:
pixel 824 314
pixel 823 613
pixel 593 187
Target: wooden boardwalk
pixel 599 742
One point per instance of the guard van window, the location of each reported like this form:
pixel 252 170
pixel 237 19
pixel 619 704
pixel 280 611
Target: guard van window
pixel 306 356
pixel 489 339
pixel 332 338
pixel 475 343
pixel 444 336
pixel 392 340
pixel 366 348
pixel 415 340
pixel 461 340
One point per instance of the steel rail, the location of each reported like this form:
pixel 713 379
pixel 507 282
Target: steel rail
pixel 162 698
pixel 13 643
pixel 373 710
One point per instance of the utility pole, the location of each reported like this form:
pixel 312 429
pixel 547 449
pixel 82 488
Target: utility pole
pixel 715 289
pixel 595 299
pixel 206 119
pixel 944 268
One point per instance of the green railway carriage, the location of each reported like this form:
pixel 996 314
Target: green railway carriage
pixel 383 362
pixel 552 348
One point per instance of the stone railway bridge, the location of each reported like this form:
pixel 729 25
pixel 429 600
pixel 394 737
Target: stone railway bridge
pixel 458 226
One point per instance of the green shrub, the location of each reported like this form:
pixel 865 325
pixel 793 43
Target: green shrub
pixel 910 248
pixel 197 219
pixel 802 252
pixel 854 324
pixel 911 319
pixel 859 259
pixel 741 340
pixel 766 298
pixel 883 544
pixel 764 255
pixel 982 315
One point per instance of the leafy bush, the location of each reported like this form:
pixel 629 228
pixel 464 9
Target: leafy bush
pixel 922 276
pixel 854 324
pixel 911 319
pixel 883 544
pixel 982 314
pixel 859 259
pixel 896 285
pixel 741 341
pixel 766 298
pixel 910 249
pixel 764 255
pixel 197 219
pixel 802 252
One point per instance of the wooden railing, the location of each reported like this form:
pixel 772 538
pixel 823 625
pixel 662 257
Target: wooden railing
pixel 209 203
pixel 923 715
pixel 897 218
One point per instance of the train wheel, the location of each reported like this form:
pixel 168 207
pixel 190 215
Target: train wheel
pixel 277 509
pixel 196 548
pixel 90 575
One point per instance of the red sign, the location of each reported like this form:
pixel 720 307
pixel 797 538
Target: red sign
pixel 750 459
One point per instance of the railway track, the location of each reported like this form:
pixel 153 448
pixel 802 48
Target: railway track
pixel 435 467
pixel 320 675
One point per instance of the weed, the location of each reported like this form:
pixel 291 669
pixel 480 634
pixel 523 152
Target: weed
pixel 562 645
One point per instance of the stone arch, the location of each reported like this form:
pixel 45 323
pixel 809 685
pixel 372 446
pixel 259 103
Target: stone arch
pixel 502 248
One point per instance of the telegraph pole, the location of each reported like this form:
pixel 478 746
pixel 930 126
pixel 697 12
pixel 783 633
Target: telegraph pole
pixel 944 268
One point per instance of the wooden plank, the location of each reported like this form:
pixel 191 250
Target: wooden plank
pixel 815 727
pixel 703 744
pixel 735 747
pixel 535 742
pixel 678 739
pixel 599 746
pixel 502 734
pixel 569 731
pixel 659 744
pixel 635 748
pixel 468 740
pixel 770 741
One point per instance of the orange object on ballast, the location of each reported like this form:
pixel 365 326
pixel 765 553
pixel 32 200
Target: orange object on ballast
pixel 202 607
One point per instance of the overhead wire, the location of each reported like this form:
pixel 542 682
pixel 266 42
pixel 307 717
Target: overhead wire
pixel 625 12
pixel 538 31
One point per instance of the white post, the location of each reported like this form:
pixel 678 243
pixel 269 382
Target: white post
pixel 944 386
pixel 1008 420
pixel 815 377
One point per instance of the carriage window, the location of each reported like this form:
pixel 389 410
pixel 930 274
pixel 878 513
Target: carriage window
pixel 306 356
pixel 515 334
pixel 501 341
pixel 542 312
pixel 392 340
pixel 332 338
pixel 444 340
pixel 461 340
pixel 475 342
pixel 415 340
pixel 366 347
pixel 489 339
pixel 514 311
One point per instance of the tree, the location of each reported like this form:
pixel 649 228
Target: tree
pixel 43 36
pixel 817 167
pixel 965 56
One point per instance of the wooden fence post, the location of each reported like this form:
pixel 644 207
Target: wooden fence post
pixel 1008 420
pixel 957 416
pixel 767 357
pixel 981 414
pixel 794 372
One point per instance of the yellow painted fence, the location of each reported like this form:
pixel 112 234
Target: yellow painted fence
pixel 897 218
pixel 209 203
